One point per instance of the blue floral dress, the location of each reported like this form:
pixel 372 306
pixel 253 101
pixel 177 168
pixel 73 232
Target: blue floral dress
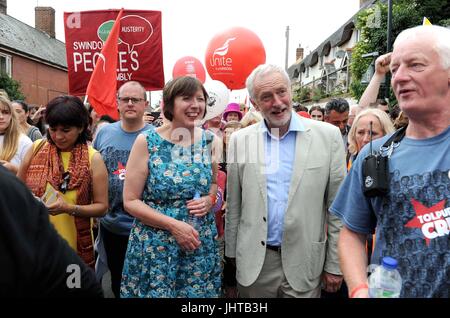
pixel 155 266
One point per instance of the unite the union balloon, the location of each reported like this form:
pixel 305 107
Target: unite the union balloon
pixel 232 55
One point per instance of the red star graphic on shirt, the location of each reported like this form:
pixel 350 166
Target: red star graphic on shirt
pixel 422 210
pixel 120 168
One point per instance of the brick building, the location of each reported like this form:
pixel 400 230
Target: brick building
pixel 33 56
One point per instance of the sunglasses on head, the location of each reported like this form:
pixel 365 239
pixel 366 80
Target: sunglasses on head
pixel 65 182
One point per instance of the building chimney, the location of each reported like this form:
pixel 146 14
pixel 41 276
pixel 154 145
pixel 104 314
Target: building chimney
pixel 299 53
pixel 45 20
pixel 3 6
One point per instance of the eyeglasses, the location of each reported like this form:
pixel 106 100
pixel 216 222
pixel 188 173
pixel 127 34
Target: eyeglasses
pixel 65 182
pixel 126 100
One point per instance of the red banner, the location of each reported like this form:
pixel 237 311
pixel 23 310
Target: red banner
pixel 140 56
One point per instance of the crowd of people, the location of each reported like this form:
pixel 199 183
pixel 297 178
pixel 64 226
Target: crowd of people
pixel 266 202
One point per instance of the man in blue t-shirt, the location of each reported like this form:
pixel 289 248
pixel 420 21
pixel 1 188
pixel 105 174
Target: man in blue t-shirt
pixel 114 142
pixel 411 222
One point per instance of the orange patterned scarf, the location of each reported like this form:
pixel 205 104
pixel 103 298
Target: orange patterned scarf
pixel 46 166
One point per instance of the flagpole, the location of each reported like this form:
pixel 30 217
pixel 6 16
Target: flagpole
pixel 149 107
pixel 388 49
pixel 105 75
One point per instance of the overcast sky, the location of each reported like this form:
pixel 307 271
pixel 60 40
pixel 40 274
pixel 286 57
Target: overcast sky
pixel 189 25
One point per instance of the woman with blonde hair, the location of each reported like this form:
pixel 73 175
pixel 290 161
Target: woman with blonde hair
pixel 13 143
pixel 250 118
pixel 359 134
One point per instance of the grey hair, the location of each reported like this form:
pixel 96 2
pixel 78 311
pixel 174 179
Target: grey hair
pixel 440 36
pixel 262 70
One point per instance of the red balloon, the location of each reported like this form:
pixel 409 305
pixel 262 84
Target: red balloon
pixel 189 66
pixel 232 55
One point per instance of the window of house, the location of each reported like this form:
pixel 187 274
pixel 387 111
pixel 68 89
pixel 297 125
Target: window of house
pixel 5 64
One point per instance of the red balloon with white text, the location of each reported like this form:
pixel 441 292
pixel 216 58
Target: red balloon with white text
pixel 189 66
pixel 232 55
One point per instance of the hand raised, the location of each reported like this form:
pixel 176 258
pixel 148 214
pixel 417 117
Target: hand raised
pixel 382 64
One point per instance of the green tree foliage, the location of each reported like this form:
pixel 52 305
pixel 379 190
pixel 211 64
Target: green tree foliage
pixel 372 24
pixel 437 11
pixel 11 86
pixel 357 89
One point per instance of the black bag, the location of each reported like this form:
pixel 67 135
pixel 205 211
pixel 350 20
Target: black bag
pixel 375 167
pixel 375 174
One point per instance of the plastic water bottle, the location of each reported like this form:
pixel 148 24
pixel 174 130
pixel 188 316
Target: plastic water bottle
pixel 385 281
pixel 193 220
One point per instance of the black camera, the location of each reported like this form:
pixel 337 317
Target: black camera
pixel 375 175
pixel 375 167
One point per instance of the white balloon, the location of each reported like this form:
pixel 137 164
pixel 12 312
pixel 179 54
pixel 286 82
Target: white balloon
pixel 218 98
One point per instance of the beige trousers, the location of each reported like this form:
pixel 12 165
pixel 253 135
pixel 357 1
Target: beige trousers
pixel 272 283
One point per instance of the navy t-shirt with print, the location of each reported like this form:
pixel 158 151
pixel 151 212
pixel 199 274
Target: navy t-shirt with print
pixel 115 145
pixel 412 222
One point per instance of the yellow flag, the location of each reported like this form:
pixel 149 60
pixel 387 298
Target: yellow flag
pixel 426 21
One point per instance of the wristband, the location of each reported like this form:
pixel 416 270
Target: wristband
pixel 213 199
pixel 75 211
pixel 358 288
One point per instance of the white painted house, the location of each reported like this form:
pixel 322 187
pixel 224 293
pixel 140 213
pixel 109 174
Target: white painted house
pixel 327 66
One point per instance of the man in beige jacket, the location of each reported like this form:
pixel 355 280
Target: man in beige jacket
pixel 283 174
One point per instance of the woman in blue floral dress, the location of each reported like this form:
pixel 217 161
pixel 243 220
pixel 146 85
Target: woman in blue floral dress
pixel 167 257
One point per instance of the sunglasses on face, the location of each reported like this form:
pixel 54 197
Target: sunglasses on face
pixel 65 182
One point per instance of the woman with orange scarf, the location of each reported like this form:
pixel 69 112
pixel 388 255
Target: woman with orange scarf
pixel 68 175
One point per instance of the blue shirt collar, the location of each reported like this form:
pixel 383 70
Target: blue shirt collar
pixel 295 125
